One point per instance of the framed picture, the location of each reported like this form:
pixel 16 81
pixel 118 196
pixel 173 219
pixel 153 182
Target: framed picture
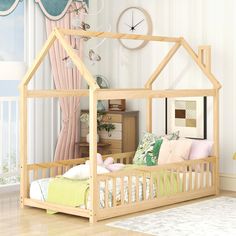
pixel 187 115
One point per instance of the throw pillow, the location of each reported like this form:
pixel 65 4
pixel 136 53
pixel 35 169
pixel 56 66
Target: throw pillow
pixel 145 148
pixel 81 172
pixel 152 157
pixel 174 151
pixel 200 149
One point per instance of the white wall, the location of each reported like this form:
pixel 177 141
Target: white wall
pixel 200 22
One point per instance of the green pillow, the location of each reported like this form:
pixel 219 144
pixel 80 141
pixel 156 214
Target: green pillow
pixel 145 149
pixel 152 157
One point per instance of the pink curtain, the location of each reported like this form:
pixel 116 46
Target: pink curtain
pixel 65 78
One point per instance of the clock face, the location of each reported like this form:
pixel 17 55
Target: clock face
pixel 134 20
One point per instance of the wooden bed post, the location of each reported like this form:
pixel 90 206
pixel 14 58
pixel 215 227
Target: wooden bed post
pixel 23 144
pixel 204 56
pixel 24 117
pixel 149 115
pixel 93 155
pixel 216 139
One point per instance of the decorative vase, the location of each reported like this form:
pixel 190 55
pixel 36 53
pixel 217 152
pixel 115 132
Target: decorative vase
pixel 100 106
pixel 87 138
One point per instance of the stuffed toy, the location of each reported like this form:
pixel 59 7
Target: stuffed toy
pixel 108 163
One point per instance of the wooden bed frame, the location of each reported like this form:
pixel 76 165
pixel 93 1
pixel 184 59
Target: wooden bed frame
pixel 209 166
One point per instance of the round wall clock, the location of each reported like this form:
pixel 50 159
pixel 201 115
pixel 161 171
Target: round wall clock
pixel 134 20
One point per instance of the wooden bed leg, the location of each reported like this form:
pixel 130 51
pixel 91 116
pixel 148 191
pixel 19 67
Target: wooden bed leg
pixel 23 145
pixel 94 195
pixel 217 178
pixel 92 219
pixel 216 139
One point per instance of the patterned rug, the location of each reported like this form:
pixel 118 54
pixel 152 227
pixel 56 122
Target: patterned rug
pixel 215 217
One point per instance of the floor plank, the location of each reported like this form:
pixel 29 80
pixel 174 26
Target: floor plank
pixel 33 222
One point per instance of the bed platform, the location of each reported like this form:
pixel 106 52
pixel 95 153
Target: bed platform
pixel 186 180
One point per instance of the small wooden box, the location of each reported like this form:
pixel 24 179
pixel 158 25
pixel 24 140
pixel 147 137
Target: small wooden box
pixel 116 105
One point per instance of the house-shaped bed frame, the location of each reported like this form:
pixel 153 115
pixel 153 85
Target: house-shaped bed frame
pixel 207 168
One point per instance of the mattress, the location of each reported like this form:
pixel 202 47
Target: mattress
pixel 39 189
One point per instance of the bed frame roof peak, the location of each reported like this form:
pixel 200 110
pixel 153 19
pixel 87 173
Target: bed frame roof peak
pixel 58 34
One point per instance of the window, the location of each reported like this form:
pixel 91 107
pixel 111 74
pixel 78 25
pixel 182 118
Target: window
pixel 12 35
pixel 12 59
pixel 12 68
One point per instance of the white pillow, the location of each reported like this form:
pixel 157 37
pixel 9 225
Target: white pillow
pixel 81 172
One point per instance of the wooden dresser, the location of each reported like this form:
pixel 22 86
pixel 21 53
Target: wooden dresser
pixel 124 138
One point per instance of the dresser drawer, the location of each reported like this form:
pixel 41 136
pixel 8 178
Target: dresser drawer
pixel 116 144
pixel 115 134
pixel 113 118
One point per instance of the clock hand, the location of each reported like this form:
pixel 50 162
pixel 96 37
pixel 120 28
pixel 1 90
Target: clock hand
pixel 132 18
pixel 138 23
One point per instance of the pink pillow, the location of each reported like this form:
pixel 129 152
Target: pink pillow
pixel 200 149
pixel 173 151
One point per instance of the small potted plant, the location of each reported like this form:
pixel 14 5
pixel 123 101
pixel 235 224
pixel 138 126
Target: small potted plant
pixel 101 124
pixel 107 127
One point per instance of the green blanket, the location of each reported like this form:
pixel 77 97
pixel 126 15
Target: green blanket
pixel 162 181
pixel 67 192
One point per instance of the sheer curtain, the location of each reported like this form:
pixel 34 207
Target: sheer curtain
pixel 43 115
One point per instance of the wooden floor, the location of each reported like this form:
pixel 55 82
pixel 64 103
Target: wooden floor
pixel 30 221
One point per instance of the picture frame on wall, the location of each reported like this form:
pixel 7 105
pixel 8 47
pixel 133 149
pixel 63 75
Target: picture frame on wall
pixel 188 115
